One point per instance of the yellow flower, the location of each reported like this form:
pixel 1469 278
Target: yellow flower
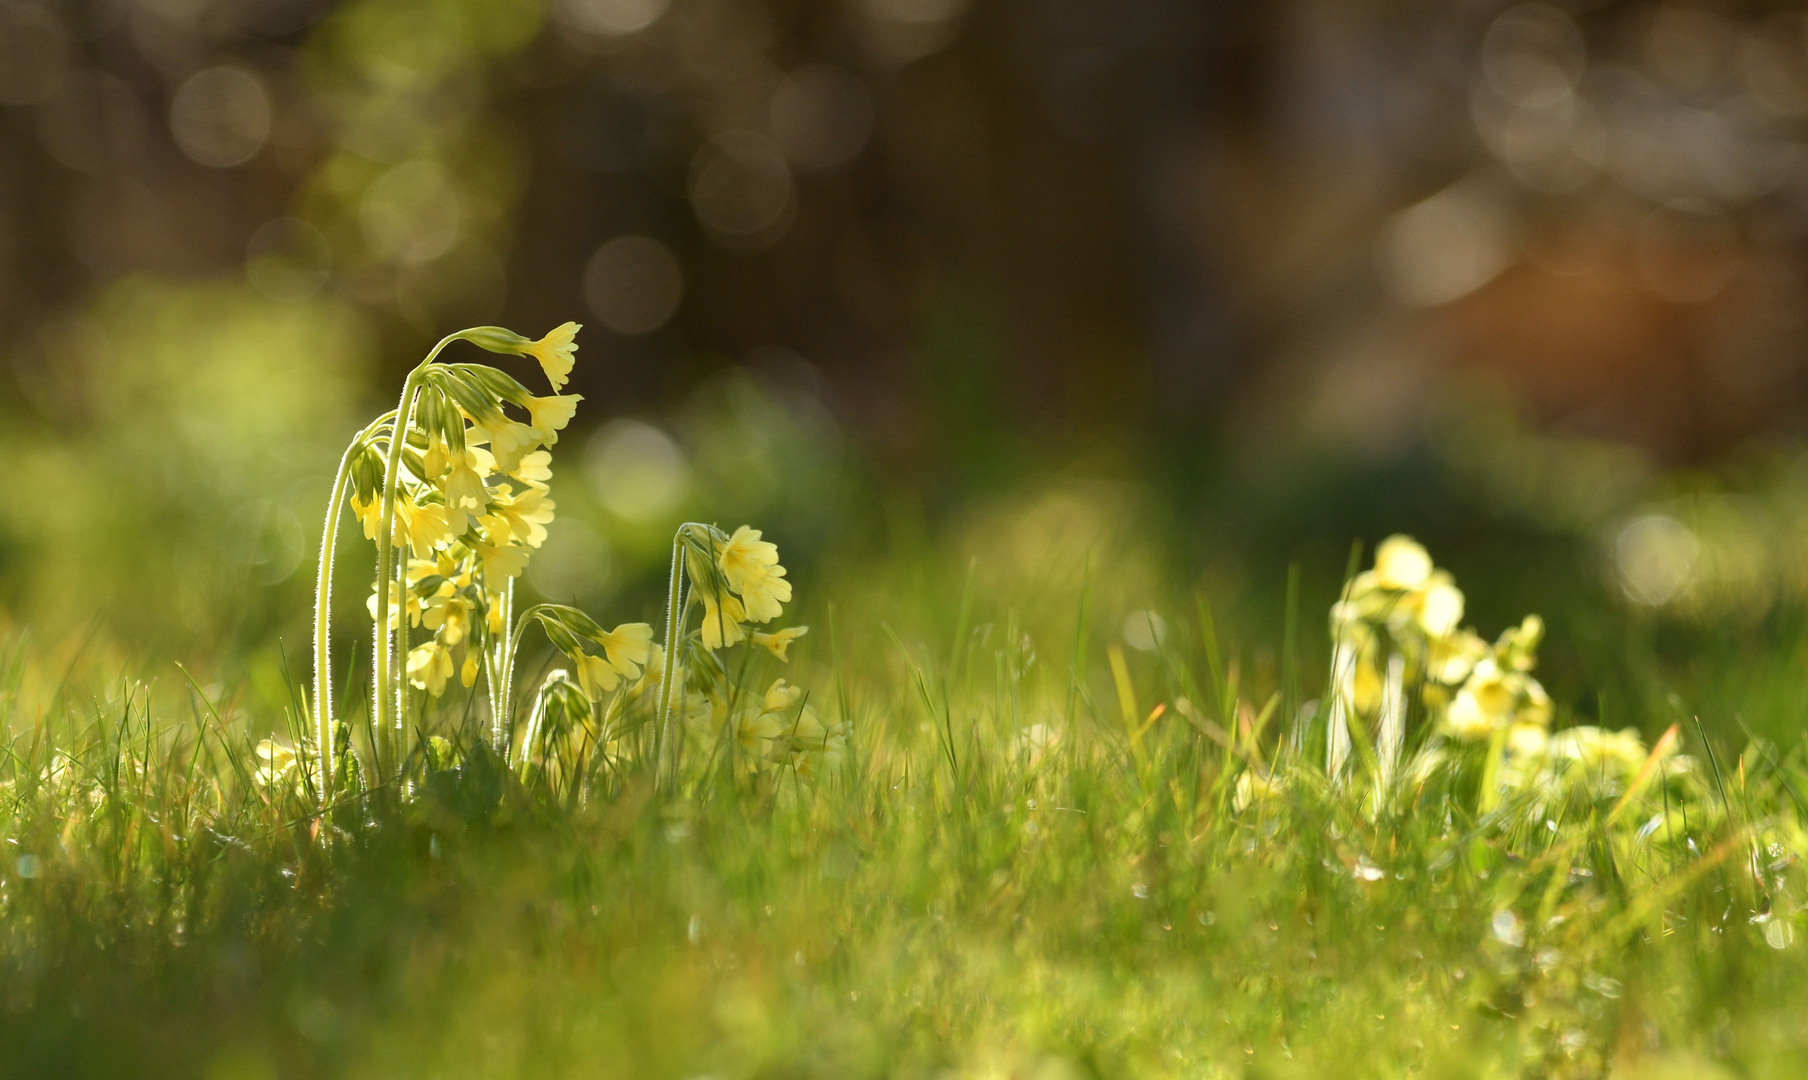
pixel 745 558
pixel 1401 563
pixel 467 674
pixel 397 605
pixel 554 352
pixel 1492 699
pixel 1450 659
pixel 814 765
pixel 1535 708
pixel 462 482
pixel 779 641
pixel 429 666
pixel 628 646
pixel 535 469
pixel 597 676
pixel 1527 740
pixel 754 732
pixel 549 415
pixel 274 760
pixel 501 562
pixel 447 615
pixel 523 517
pixel 722 625
pixel 780 697
pixel 510 440
pixel 1439 604
pixel 437 459
pixel 426 526
pixel 1596 749
pixel 653 672
pixel 751 567
pixel 370 514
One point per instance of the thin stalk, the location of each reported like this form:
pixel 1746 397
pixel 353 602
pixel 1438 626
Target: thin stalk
pixel 324 731
pixel 323 629
pixel 401 720
pixel 382 642
pixel 506 725
pixel 674 598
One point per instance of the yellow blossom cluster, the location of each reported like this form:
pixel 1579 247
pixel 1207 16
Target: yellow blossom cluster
pixel 746 585
pixel 780 730
pixel 1401 622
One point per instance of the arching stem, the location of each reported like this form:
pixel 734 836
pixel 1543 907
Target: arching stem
pixel 323 628
pixel 383 691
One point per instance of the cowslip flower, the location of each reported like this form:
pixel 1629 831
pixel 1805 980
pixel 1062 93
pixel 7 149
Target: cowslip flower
pixel 722 621
pixel 779 641
pixel 1401 563
pixel 596 675
pixel 751 566
pixel 780 696
pixel 535 469
pixel 522 517
pixel 501 562
pixel 549 415
pixel 627 647
pixel 447 614
pixel 429 666
pixel 509 440
pixel 554 352
pixel 754 732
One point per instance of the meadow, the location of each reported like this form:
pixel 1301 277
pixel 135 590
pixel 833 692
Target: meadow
pixel 1000 816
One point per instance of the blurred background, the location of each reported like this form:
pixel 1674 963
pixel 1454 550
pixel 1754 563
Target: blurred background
pixel 1197 291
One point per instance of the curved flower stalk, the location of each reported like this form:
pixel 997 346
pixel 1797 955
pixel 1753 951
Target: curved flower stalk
pixel 453 487
pixel 739 585
pixel 466 518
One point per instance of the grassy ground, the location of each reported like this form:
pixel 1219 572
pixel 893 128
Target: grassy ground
pixel 1010 871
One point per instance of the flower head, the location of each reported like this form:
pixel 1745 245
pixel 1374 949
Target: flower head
pixel 535 469
pixel 501 562
pixel 1401 563
pixel 722 620
pixel 627 647
pixel 554 352
pixel 522 517
pixel 429 666
pixel 596 675
pixel 549 415
pixel 754 732
pixel 779 641
pixel 751 567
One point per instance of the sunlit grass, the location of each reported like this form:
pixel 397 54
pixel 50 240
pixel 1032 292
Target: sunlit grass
pixel 999 877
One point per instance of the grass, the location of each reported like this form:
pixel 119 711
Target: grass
pixel 1014 870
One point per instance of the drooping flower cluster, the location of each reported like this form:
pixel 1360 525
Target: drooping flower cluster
pixel 739 585
pixel 1399 625
pixel 472 504
pixel 454 488
pixel 1397 629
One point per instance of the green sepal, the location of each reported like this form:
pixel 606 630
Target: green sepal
pixel 495 339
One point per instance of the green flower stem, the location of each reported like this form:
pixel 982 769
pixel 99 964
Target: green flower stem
pixel 507 648
pixel 401 720
pixel 324 728
pixel 323 629
pixel 381 643
pixel 674 618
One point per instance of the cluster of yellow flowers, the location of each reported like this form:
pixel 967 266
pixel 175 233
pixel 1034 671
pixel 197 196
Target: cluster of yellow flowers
pixel 1399 624
pixel 454 488
pixel 471 505
pixel 781 730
